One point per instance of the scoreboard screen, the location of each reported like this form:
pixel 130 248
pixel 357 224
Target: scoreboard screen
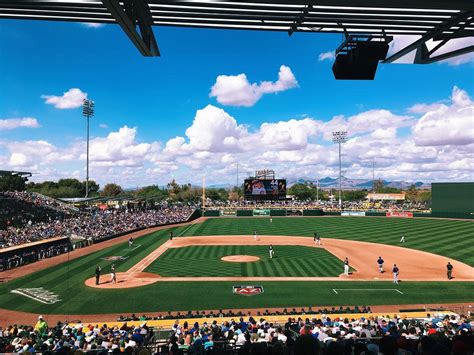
pixel 269 188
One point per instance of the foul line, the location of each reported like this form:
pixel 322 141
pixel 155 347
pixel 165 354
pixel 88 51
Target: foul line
pixel 366 289
pixel 134 248
pixel 184 231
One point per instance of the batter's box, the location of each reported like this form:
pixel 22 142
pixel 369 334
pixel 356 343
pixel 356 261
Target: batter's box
pixel 339 290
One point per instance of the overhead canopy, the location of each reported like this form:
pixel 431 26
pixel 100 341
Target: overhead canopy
pixel 432 19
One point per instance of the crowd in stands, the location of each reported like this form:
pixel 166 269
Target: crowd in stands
pixel 32 254
pixel 97 225
pixel 361 205
pixel 438 334
pixel 64 339
pixel 231 313
pixel 20 208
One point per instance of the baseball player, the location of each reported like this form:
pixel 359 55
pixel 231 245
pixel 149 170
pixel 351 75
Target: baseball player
pixel 271 220
pixel 113 276
pixel 130 242
pixel 380 264
pixel 395 271
pixel 402 239
pixel 317 238
pixel 255 236
pixel 271 252
pixel 346 266
pixel 449 269
pixel 171 235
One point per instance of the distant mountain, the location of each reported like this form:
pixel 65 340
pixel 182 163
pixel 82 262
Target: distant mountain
pixel 356 184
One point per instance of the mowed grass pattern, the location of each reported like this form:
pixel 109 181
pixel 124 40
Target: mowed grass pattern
pixel 451 238
pixel 292 261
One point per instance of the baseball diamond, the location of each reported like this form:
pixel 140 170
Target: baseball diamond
pixel 191 261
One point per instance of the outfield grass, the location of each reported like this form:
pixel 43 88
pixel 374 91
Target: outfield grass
pixel 450 238
pixel 293 260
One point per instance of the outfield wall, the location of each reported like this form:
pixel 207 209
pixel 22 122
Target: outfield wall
pixel 453 200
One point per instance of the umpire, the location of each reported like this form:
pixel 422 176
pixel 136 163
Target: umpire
pixel 98 269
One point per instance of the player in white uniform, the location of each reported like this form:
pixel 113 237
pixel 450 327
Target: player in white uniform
pixel 113 276
pixel 255 236
pixel 346 266
pixel 402 239
pixel 271 252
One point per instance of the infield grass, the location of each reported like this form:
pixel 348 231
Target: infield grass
pixel 294 261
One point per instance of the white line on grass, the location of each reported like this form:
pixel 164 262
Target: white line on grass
pixel 184 231
pixel 134 248
pixel 366 289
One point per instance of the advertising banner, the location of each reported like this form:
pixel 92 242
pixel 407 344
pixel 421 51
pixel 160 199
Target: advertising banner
pixel 261 212
pixel 400 214
pixel 353 213
pixel 228 212
pixel 386 197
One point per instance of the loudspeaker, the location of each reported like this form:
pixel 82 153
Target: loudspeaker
pixel 360 62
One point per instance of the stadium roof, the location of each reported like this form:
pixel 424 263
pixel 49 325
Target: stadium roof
pixel 441 20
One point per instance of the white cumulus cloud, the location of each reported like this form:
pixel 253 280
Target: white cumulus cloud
pixel 331 55
pixel 13 123
pixel 236 90
pixel 447 124
pixel 72 98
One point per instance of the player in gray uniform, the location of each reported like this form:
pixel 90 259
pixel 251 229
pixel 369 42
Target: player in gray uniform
pixel 396 272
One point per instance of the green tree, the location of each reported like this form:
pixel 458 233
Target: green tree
pixel 111 190
pixel 302 192
pixel 378 185
pixel 152 191
pixel 355 195
pixel 173 187
pixel 12 183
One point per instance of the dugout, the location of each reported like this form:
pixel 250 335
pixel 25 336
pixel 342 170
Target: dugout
pixel 453 200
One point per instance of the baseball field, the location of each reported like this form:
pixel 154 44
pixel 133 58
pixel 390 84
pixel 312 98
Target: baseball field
pixel 189 273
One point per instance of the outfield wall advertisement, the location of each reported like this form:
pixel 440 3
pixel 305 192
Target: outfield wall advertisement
pixel 400 214
pixel 353 213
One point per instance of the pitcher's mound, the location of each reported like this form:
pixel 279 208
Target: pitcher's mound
pixel 240 258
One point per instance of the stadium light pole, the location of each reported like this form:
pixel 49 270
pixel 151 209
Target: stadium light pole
pixel 87 112
pixel 340 137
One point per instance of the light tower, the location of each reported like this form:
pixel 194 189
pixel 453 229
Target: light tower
pixel 340 137
pixel 87 112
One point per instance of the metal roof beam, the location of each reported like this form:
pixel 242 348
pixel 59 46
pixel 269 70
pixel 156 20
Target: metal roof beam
pixel 438 30
pixel 146 43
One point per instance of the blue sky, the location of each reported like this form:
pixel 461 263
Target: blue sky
pixel 142 104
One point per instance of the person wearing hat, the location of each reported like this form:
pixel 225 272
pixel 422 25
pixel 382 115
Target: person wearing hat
pixel 449 269
pixel 41 326
pixel 98 269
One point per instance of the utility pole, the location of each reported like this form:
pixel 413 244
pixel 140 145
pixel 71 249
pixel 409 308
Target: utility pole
pixel 317 190
pixel 203 192
pixel 373 177
pixel 87 112
pixel 340 137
